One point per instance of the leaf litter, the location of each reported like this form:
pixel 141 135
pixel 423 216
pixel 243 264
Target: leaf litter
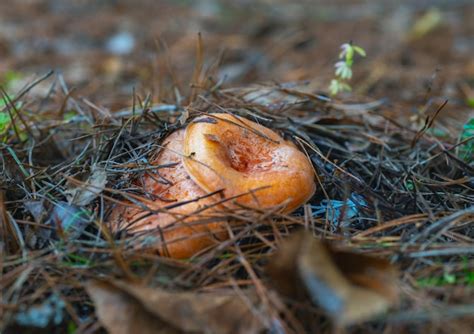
pixel 349 287
pixel 409 202
pixel 126 308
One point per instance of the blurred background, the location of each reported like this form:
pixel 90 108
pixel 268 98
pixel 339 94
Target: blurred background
pixel 416 50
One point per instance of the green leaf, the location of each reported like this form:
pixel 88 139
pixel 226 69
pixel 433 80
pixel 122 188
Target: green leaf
pixel 337 86
pixel 438 132
pixel 343 70
pixel 359 50
pixel 427 23
pixel 4 121
pixel 334 87
pixel 3 103
pixel 69 115
pixel 344 87
pixel 466 150
pixel 9 77
pixel 75 260
pixel 345 49
pixel 470 102
pixel 469 278
pixel 449 278
pixel 71 327
pixel 428 281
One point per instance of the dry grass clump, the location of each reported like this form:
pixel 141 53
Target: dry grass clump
pixel 383 188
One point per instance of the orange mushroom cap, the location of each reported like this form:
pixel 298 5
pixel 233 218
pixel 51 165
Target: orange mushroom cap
pixel 224 151
pixel 186 229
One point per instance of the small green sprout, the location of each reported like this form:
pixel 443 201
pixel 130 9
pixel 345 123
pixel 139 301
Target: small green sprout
pixel 343 71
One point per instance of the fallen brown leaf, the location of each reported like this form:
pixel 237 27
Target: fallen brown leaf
pixel 121 313
pixel 92 187
pixel 125 308
pixel 349 287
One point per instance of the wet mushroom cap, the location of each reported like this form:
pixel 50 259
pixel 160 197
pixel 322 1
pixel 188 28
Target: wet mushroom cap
pixel 187 228
pixel 224 151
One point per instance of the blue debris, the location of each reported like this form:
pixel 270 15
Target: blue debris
pixel 332 209
pixel 72 218
pixel 51 311
pixel 121 44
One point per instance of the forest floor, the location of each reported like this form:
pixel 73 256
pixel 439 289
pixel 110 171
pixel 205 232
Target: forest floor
pixel 91 86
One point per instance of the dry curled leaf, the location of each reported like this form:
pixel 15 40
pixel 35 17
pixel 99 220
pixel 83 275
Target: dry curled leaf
pixel 349 287
pixel 93 186
pixel 121 313
pixel 124 309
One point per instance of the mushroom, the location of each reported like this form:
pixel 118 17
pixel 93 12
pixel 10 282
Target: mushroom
pixel 217 153
pixel 184 230
pixel 224 151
